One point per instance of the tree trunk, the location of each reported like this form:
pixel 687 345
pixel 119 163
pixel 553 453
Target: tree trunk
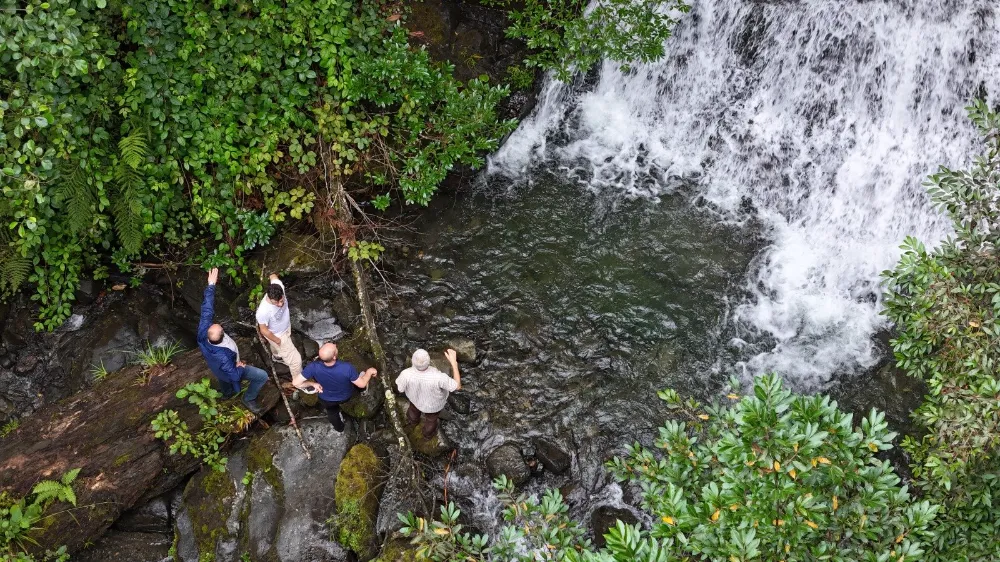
pixel 105 431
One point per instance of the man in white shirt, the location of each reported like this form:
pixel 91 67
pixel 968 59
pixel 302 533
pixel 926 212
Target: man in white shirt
pixel 276 325
pixel 427 389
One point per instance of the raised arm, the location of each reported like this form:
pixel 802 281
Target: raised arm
pixel 452 358
pixel 208 305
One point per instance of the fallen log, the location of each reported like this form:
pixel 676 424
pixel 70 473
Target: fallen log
pixel 105 431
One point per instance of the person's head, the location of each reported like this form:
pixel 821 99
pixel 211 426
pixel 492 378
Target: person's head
pixel 421 359
pixel 275 294
pixel 215 333
pixel 328 353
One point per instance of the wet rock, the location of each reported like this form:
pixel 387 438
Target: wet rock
pixel 460 403
pixel 506 460
pixel 363 405
pixel 359 485
pixel 434 446
pixel 152 517
pixel 347 310
pixel 128 545
pixel 294 254
pixel 87 291
pixel 466 479
pixel 26 364
pixel 606 517
pixel 464 348
pixel 552 456
pixel 72 324
pixel 271 502
pixel 315 318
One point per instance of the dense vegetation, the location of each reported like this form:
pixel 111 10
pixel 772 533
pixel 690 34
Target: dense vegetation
pixel 20 516
pixel 139 128
pixel 767 476
pixel 946 306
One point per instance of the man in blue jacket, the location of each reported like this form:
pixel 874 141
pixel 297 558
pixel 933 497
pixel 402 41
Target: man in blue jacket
pixel 222 355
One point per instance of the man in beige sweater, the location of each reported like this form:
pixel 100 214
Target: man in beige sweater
pixel 427 389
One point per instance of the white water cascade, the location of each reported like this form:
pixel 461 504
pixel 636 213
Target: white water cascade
pixel 825 114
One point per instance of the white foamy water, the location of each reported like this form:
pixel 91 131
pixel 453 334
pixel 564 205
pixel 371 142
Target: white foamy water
pixel 827 115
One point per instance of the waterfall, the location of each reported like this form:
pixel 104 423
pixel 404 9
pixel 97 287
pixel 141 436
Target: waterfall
pixel 824 116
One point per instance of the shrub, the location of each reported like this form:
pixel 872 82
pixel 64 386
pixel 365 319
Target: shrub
pixel 768 476
pixel 946 306
pixel 18 517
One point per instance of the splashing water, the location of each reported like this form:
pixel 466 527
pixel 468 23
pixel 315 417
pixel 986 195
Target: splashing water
pixel 823 116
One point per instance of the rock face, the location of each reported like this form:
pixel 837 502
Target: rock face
pixel 128 545
pixel 506 460
pixel 105 432
pixel 271 504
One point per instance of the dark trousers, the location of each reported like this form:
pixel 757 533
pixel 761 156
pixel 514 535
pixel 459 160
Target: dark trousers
pixel 430 425
pixel 333 414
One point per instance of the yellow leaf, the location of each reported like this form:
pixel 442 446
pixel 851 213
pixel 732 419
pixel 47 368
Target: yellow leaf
pixel 668 520
pixel 899 539
pixel 750 462
pixel 734 507
pixel 715 516
pixel 441 531
pixel 787 547
pixel 703 416
pixel 732 396
pixel 778 522
pixel 777 466
pixel 873 447
pixel 795 447
pixel 811 524
pixel 823 460
pixel 835 503
pixel 973 323
pixel 792 473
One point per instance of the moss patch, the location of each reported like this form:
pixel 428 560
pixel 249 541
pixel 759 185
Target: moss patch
pixel 359 484
pixel 209 502
pixel 398 551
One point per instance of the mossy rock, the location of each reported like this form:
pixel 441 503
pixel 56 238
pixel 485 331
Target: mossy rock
pixel 364 405
pixel 398 550
pixel 359 485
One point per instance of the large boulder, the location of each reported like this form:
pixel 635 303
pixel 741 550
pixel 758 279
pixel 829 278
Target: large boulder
pixel 552 456
pixel 506 460
pixel 105 432
pixel 359 486
pixel 271 504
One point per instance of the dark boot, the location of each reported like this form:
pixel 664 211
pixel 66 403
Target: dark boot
pixel 254 407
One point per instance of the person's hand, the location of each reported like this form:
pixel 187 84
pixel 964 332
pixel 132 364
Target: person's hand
pixel 241 364
pixel 213 276
pixel 372 372
pixel 315 386
pixel 451 356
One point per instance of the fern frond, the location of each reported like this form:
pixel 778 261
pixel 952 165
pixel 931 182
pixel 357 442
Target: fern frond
pixel 128 220
pixel 14 270
pixel 78 194
pixel 70 476
pixel 47 490
pixel 133 149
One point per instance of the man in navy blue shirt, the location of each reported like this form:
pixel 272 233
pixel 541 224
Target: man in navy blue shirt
pixel 222 355
pixel 338 379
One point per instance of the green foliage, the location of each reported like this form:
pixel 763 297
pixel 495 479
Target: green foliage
pixel 99 372
pixel 218 422
pixel 132 128
pixel 10 427
pixel 363 250
pixel 18 517
pixel 567 36
pixel 156 356
pixel 769 476
pixel 946 307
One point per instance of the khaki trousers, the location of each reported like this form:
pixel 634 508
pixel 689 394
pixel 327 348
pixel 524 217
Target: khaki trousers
pixel 287 353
